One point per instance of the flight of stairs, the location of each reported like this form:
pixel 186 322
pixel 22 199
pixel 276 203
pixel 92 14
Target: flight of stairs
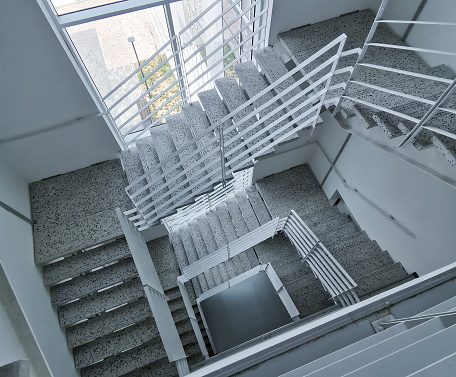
pixel 423 348
pixel 196 118
pixel 303 42
pixel 93 282
pixel 371 268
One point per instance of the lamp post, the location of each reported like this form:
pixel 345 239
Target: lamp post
pixel 132 41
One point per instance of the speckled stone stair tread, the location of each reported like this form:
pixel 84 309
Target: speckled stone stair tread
pixel 241 226
pixel 129 360
pixel 164 145
pixel 345 229
pixel 325 214
pixel 234 97
pixel 160 368
pixel 131 162
pixel 308 304
pixel 253 83
pixel 215 110
pixel 447 146
pixel 92 282
pixel 120 341
pixel 202 251
pixel 258 205
pixel 80 263
pixel 274 69
pixel 347 241
pixel 226 271
pixel 149 160
pixel 233 265
pixel 198 124
pixel 182 260
pixel 206 280
pixel 181 134
pixel 278 251
pixel 241 261
pixel 327 224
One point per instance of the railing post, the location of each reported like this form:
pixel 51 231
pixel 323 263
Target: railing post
pixel 222 154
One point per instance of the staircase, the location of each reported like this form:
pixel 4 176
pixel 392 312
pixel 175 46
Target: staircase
pixel 390 88
pixel 410 348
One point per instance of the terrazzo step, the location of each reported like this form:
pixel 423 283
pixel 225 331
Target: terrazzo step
pixel 182 261
pixel 202 251
pixel 115 343
pixel 193 254
pixel 258 205
pixel 380 279
pixel 241 227
pixel 134 169
pixel 325 214
pixel 241 261
pixel 234 97
pixel 314 302
pixel 226 270
pixel 160 368
pixel 296 271
pixel 274 69
pixel 164 145
pixel 327 224
pixel 130 360
pixel 92 282
pixel 215 110
pixel 247 211
pixel 342 231
pixel 181 135
pixel 279 252
pixel 348 241
pixel 86 261
pixel 149 160
pixel 253 83
pixel 447 146
pixel 198 124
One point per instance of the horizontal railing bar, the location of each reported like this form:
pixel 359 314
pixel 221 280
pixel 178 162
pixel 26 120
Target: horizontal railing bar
pixel 238 10
pixel 353 51
pixel 290 74
pixel 343 70
pixel 414 74
pixel 144 94
pixel 448 110
pixel 382 108
pixel 417 49
pixel 169 87
pixel 441 132
pixel 139 68
pixel 394 92
pixel 209 25
pixel 207 57
pixel 227 26
pixel 219 61
pixel 337 86
pixel 437 23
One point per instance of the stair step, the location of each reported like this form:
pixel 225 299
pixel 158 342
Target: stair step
pixel 182 259
pixel 447 146
pixel 274 69
pixel 202 251
pixel 215 110
pixel 181 135
pixel 86 261
pixel 160 368
pixel 342 231
pixel 73 236
pixel 258 205
pixel 278 251
pixel 241 226
pixel 134 169
pixel 149 160
pixel 92 282
pixel 311 303
pixel 207 279
pixel 253 83
pixel 247 211
pixel 198 123
pixel 241 261
pixel 348 241
pixel 164 145
pixel 327 225
pixel 387 124
pixel 226 272
pixel 233 96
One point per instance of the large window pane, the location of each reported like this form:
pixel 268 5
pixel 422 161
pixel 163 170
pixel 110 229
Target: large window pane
pixel 69 6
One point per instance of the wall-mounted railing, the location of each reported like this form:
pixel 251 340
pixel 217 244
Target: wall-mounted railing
pixel 336 281
pixel 434 106
pixel 253 138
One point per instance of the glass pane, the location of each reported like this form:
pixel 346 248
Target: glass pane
pixel 69 6
pixel 113 48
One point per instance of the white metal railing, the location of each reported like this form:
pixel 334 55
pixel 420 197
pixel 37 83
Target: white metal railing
pixel 209 201
pixel 336 281
pixel 435 105
pixel 250 142
pixel 156 297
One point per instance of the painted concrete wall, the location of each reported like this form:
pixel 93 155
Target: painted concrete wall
pixel 421 203
pixel 17 260
pixel 289 14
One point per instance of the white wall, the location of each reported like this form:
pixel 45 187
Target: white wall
pixel 289 14
pixel 436 37
pixel 422 203
pixel 25 279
